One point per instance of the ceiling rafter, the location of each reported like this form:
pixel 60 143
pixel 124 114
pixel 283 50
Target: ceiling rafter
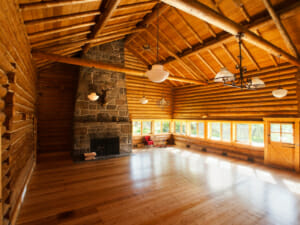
pixel 215 58
pixel 203 12
pixel 286 37
pixel 100 65
pixel 224 37
pixel 250 56
pixel 206 64
pixel 102 20
pixel 242 8
pixel 229 54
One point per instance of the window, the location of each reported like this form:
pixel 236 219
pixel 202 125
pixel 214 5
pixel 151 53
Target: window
pixel 214 131
pixel 282 133
pixel 242 133
pixel 177 127
pixel 250 134
pixel 136 128
pixel 146 127
pixel 166 126
pixel 257 134
pixel 193 129
pixel 157 127
pixel 183 128
pixel 226 132
pixel 201 129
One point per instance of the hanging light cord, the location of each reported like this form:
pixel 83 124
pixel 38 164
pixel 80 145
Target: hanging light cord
pixel 240 56
pixel 157 35
pixel 279 70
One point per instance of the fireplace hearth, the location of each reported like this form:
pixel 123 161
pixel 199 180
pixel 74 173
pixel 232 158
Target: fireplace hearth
pixel 105 146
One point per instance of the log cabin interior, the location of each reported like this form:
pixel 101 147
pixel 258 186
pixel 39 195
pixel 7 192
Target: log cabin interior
pixel 146 112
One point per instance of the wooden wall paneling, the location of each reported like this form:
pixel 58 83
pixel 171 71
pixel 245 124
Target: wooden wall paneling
pixel 18 135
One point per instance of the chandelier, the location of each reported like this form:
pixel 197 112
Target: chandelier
pixel 157 73
pixel 229 78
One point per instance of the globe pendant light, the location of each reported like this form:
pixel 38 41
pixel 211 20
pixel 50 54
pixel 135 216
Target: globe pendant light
pixel 93 95
pixel 279 92
pixel 144 100
pixel 157 73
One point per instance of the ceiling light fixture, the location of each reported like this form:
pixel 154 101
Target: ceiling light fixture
pixel 157 73
pixel 229 78
pixel 279 92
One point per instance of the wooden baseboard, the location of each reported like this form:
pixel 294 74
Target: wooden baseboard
pixel 22 195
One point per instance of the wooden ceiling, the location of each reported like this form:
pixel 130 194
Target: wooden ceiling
pixel 189 47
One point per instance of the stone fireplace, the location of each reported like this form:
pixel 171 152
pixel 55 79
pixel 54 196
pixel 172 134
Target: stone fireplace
pixel 91 119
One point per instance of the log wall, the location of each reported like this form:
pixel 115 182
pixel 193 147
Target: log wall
pixel 57 89
pixel 216 101
pixel 18 142
pixel 137 87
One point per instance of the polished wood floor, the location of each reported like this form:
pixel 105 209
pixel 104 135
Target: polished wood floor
pixel 160 187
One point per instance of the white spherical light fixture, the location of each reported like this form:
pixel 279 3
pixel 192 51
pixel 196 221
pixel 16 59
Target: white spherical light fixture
pixel 143 100
pixel 279 93
pixel 93 96
pixel 157 73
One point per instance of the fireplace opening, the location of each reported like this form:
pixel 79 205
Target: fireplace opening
pixel 105 146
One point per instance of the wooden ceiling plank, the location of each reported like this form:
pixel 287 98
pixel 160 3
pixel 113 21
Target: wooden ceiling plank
pixel 139 55
pixel 215 58
pixel 102 20
pixel 239 4
pixel 250 56
pixel 47 5
pixel 194 74
pixel 206 64
pixel 100 65
pixel 205 13
pixel 286 37
pixel 203 76
pixel 148 19
pixel 176 31
pixel 192 30
pixel 140 13
pixel 58 19
pixel 41 43
pixel 229 54
pixel 63 29
pixel 118 25
pixel 137 5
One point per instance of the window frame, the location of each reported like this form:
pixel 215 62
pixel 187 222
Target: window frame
pixel 221 130
pixel 281 123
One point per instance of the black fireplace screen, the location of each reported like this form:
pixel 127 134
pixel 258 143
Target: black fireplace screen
pixel 105 146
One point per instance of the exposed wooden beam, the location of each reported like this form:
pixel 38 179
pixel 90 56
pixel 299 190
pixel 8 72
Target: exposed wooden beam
pixel 58 19
pixel 59 30
pixel 100 65
pixel 206 64
pixel 215 58
pixel 103 19
pixel 136 5
pixel 286 37
pixel 241 6
pixel 205 13
pixel 229 54
pixel 47 5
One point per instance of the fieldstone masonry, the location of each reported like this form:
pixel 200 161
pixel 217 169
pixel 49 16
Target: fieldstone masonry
pixel 91 120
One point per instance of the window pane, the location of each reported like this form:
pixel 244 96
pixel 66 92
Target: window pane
pixel 275 127
pixel 201 130
pixel 157 127
pixel 166 126
pixel 242 133
pixel 177 127
pixel 257 134
pixel 146 127
pixel 287 138
pixel 136 127
pixel 226 131
pixel 275 137
pixel 287 128
pixel 193 129
pixel 215 130
pixel 183 128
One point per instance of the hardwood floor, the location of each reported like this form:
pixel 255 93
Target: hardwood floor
pixel 160 187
